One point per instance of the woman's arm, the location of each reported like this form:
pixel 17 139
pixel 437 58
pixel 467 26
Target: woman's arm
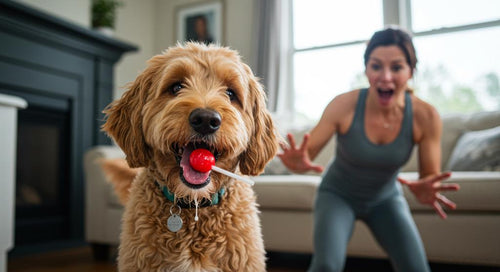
pixel 324 130
pixel 427 189
pixel 299 159
pixel 429 151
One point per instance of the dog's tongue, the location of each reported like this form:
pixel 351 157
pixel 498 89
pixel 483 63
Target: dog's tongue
pixel 191 175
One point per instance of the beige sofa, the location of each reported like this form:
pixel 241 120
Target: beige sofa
pixel 471 144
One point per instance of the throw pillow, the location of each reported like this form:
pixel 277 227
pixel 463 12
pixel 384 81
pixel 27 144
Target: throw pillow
pixel 453 127
pixel 477 151
pixel 276 167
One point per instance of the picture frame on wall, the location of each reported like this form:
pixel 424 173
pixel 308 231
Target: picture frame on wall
pixel 200 23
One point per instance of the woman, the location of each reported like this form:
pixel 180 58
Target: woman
pixel 376 129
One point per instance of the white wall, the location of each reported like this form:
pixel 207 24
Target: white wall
pixel 237 23
pixel 151 25
pixel 135 23
pixel 75 11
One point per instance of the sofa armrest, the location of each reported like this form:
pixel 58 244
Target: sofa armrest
pixel 97 192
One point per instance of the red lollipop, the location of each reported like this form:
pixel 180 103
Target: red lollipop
pixel 201 160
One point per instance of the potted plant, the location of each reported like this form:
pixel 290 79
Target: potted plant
pixel 104 15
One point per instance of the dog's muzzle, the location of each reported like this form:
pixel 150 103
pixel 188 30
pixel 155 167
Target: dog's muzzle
pixel 204 122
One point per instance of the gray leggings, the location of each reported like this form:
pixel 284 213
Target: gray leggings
pixel 390 222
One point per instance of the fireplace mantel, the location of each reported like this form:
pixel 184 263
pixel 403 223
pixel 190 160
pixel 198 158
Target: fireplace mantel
pixel 66 70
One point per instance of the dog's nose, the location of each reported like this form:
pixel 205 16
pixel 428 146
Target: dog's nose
pixel 205 121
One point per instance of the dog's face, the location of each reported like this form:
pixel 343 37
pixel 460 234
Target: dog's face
pixel 194 96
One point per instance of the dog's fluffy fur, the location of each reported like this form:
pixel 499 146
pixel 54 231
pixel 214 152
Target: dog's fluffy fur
pixel 151 124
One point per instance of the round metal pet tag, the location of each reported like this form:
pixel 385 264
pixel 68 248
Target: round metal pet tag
pixel 174 222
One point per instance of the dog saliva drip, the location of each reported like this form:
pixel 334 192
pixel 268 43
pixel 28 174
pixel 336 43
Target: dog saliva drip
pixel 196 212
pixel 196 204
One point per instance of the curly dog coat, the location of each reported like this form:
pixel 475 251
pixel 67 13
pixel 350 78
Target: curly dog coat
pixel 178 219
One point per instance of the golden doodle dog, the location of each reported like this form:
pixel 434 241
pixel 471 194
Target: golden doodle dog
pixel 176 218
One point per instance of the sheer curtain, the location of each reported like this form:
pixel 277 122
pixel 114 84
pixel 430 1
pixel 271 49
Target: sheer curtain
pixel 271 36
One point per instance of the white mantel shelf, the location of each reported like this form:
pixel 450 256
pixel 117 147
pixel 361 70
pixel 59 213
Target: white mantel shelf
pixel 12 101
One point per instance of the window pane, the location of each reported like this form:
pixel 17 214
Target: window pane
pixel 322 22
pixel 320 75
pixel 460 72
pixel 432 14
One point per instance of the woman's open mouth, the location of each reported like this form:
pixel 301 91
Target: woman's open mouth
pixel 385 95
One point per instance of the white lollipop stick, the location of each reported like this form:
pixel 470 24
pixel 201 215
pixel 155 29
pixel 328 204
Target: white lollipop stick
pixel 233 175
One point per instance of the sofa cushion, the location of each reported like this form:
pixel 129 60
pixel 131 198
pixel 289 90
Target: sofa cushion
pixel 287 192
pixel 478 191
pixel 412 163
pixel 477 151
pixel 482 120
pixel 453 128
pixel 95 173
pixel 113 199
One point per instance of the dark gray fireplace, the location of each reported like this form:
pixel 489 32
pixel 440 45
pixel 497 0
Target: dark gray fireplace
pixel 65 73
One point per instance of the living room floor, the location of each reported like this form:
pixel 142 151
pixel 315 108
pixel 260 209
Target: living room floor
pixel 81 260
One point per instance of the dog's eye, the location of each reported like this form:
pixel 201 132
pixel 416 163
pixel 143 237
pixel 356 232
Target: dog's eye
pixel 231 94
pixel 175 88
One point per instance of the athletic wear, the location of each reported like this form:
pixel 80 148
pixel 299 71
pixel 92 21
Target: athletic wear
pixel 361 184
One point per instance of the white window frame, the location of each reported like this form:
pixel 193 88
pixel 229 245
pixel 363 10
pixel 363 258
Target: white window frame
pixel 395 12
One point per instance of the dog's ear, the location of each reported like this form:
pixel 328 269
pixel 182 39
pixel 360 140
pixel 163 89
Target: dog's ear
pixel 124 121
pixel 263 143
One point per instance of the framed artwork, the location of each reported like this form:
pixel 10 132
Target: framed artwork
pixel 201 23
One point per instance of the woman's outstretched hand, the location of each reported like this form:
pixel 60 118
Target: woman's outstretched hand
pixel 427 191
pixel 297 159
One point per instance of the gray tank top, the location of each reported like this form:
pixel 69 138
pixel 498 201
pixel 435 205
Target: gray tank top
pixel 363 170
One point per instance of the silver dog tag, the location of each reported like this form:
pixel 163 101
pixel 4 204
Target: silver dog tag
pixel 174 223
